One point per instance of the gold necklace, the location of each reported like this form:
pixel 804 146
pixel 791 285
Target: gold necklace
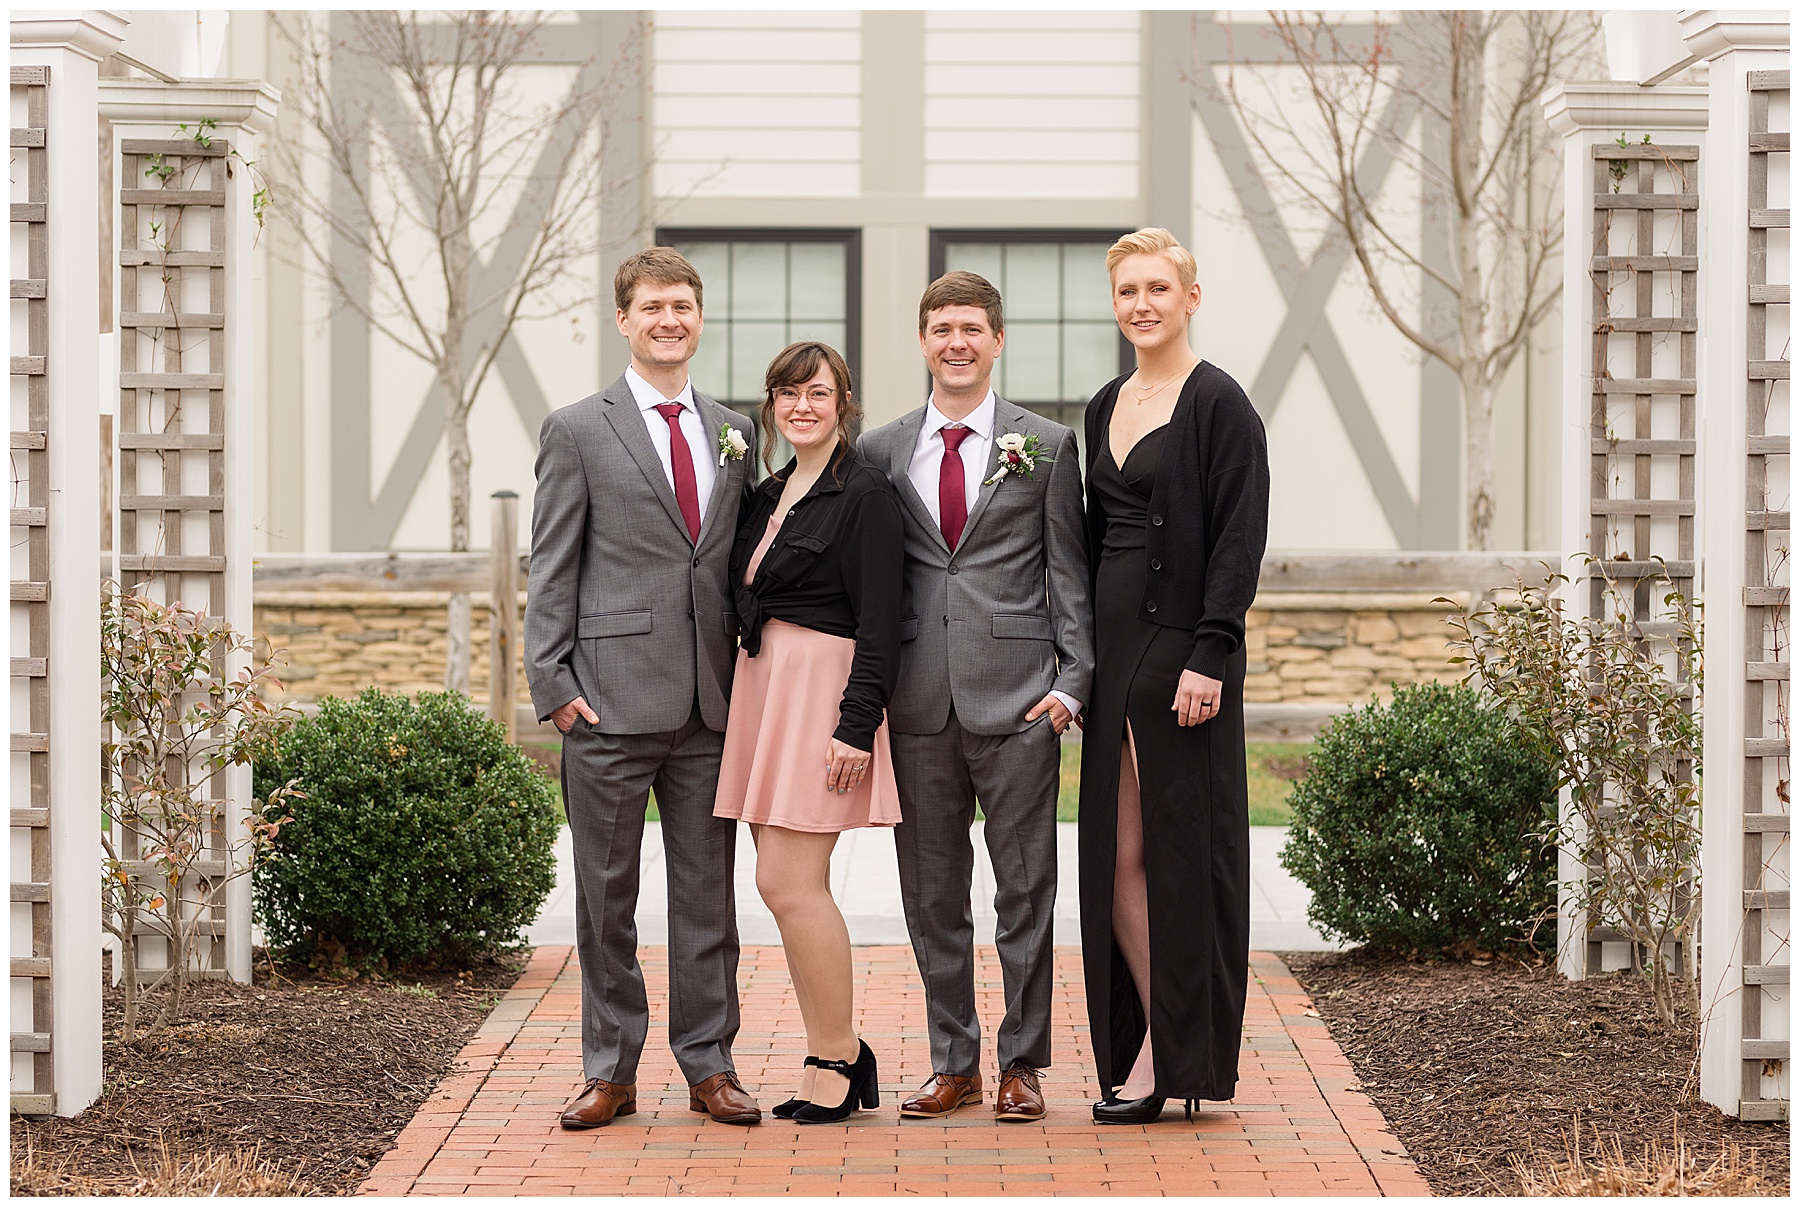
pixel 1146 393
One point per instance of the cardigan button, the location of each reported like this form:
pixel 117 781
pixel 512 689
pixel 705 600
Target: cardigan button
pixel 1155 563
pixel 1156 520
pixel 1150 605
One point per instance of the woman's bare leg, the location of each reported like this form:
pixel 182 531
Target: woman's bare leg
pixel 793 874
pixel 801 997
pixel 1131 908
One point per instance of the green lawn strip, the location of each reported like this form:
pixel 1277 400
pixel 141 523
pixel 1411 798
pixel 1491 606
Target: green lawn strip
pixel 1272 768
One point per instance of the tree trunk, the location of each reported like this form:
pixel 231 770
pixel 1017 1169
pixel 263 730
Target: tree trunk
pixel 1478 452
pixel 456 438
pixel 1468 65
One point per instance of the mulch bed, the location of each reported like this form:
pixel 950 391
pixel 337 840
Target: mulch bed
pixel 318 1074
pixel 1475 1063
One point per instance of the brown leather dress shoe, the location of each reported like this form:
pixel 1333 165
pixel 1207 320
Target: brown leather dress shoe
pixel 1019 1100
pixel 599 1103
pixel 723 1097
pixel 942 1095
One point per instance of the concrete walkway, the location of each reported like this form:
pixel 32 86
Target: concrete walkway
pixel 866 882
pixel 1298 1125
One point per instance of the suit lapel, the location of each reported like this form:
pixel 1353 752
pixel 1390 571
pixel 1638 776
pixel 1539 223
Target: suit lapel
pixel 628 424
pixel 712 417
pixel 1007 418
pixel 900 455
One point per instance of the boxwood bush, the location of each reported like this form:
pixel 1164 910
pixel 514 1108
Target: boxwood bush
pixel 1420 824
pixel 424 833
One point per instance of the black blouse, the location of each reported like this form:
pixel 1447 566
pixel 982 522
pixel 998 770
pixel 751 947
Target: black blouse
pixel 1209 513
pixel 837 566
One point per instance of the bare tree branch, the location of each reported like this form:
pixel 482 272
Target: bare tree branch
pixel 1475 78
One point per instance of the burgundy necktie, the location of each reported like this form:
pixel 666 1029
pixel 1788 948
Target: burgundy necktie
pixel 687 492
pixel 953 499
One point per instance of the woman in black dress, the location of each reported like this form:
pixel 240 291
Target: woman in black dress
pixel 1178 504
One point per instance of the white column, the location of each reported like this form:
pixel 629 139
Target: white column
pixel 244 113
pixel 71 45
pixel 1587 115
pixel 1733 44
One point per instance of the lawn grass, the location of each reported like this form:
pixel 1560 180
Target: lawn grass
pixel 1272 769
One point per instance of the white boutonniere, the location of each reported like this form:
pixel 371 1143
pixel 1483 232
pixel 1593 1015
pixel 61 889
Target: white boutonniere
pixel 1018 454
pixel 731 444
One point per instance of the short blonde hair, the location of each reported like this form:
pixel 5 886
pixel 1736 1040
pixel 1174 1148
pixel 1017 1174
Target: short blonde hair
pixel 1152 241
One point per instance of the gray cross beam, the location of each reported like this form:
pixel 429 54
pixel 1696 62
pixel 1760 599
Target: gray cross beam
pixel 362 522
pixel 1305 328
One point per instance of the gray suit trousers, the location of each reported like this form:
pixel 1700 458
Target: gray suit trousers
pixel 940 777
pixel 607 780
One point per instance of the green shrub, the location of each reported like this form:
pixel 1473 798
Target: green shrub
pixel 1421 824
pixel 423 832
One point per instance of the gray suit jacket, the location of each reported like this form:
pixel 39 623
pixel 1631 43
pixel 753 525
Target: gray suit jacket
pixel 623 608
pixel 1009 615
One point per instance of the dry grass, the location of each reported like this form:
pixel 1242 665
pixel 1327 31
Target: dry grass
pixel 208 1174
pixel 1660 1169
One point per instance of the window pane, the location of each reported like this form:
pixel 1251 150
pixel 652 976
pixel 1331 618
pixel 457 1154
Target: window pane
pixel 830 333
pixel 1090 358
pixel 1033 285
pixel 1087 292
pixel 759 281
pixel 753 346
pixel 1030 363
pixel 817 287
pixel 708 368
pixel 983 259
pixel 712 262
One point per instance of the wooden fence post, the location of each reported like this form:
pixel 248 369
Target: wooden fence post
pixel 503 612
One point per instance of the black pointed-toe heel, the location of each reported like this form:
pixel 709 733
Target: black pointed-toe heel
pixel 1129 1110
pixel 785 1110
pixel 864 1092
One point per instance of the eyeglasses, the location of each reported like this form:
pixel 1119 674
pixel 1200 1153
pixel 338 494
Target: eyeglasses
pixel 818 395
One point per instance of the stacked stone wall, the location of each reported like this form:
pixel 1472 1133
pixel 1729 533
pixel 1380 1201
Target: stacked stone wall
pixel 1302 648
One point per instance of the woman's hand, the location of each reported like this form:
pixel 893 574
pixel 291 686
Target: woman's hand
pixel 845 766
pixel 1196 698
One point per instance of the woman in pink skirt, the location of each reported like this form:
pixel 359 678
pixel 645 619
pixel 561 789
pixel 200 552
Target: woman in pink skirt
pixel 818 572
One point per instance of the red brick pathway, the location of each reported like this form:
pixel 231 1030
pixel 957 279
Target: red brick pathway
pixel 1297 1127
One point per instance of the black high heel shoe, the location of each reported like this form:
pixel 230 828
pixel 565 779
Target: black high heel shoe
pixel 785 1110
pixel 1129 1110
pixel 864 1091
pixel 1137 1110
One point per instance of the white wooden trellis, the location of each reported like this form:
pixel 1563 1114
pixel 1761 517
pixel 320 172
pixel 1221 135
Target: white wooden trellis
pixel 31 591
pixel 1643 271
pixel 172 430
pixel 1767 633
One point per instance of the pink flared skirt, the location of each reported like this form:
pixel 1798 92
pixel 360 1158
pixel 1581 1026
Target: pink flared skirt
pixel 784 710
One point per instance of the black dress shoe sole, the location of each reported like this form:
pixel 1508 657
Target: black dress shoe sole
pixel 739 1120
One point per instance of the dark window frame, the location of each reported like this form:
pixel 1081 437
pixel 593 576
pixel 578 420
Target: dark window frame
pixel 943 237
pixel 849 236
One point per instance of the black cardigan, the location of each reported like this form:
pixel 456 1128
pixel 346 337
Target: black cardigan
pixel 1209 513
pixel 837 566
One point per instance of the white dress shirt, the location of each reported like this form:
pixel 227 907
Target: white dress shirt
pixel 702 451
pixel 977 452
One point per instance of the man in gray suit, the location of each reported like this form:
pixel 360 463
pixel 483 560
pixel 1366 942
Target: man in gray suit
pixel 630 642
pixel 996 657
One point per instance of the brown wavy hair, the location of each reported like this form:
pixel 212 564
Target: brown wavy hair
pixel 795 365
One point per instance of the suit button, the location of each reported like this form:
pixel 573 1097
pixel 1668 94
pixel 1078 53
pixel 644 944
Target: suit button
pixel 1155 563
pixel 956 569
pixel 696 563
pixel 690 613
pixel 1150 605
pixel 946 622
pixel 1156 520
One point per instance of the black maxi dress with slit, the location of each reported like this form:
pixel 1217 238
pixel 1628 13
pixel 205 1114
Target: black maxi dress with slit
pixel 1192 786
